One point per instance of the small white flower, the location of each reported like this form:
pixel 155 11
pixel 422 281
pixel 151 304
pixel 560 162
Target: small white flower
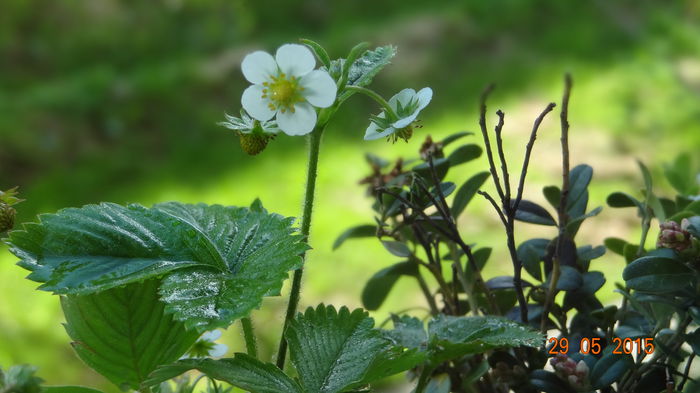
pixel 407 104
pixel 207 347
pixel 288 87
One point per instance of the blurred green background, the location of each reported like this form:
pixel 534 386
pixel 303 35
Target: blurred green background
pixel 118 100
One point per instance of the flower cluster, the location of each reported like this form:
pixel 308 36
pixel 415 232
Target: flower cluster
pixel 287 95
pixel 674 235
pixel 574 373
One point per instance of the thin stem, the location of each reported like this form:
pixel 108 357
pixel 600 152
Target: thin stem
pixel 376 97
pixel 686 372
pixel 487 143
pixel 502 155
pixel 249 336
pixel 528 152
pixel 563 201
pixel 314 148
pixel 495 205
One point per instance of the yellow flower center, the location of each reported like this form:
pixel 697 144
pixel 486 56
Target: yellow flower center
pixel 283 92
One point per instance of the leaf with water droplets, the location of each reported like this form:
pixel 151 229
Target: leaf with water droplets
pixel 216 262
pixel 333 350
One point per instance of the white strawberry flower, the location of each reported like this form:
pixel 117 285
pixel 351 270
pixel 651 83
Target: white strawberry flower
pixel 286 87
pixel 406 106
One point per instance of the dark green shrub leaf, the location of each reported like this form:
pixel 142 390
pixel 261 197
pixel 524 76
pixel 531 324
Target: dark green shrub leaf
pixel 533 213
pixel 355 232
pixel 530 253
pixel 455 137
pixel 569 280
pixel 504 282
pixel 397 248
pixel 332 351
pixel 693 339
pixel 657 274
pixel 464 153
pixel 589 253
pixel 124 333
pixel 242 371
pixel 681 175
pixel 381 283
pixel 573 225
pixel 694 226
pixel 621 199
pixel 579 178
pixel 467 191
pixel 553 195
pixel 615 245
pixel 610 368
pixel 393 360
pixel 548 382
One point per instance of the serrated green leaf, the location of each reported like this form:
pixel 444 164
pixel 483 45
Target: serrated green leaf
pixel 487 331
pixel 355 232
pixel 241 371
pixel 533 213
pixel 99 247
pixel 464 153
pixel 408 332
pixel 391 361
pixel 369 64
pixel 124 333
pixel 467 191
pixel 380 284
pixel 333 350
pixel 259 248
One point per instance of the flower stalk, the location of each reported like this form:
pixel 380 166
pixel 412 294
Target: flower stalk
pixel 314 148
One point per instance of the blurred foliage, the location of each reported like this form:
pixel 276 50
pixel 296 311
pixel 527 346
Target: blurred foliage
pixel 119 99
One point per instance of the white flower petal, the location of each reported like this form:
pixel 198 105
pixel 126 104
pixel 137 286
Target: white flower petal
pixel 299 122
pixel 319 88
pixel 218 350
pixel 295 60
pixel 404 121
pixel 257 67
pixel 211 335
pixel 374 132
pixel 424 96
pixel 256 106
pixel 404 96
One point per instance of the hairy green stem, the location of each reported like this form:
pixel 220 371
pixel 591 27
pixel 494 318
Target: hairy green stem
pixel 249 336
pixel 314 147
pixel 379 99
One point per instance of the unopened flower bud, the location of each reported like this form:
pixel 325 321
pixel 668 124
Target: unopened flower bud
pixel 674 236
pixel 254 143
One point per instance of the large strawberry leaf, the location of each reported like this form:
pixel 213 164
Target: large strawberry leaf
pixel 124 333
pixel 333 350
pixel 241 371
pixel 216 262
